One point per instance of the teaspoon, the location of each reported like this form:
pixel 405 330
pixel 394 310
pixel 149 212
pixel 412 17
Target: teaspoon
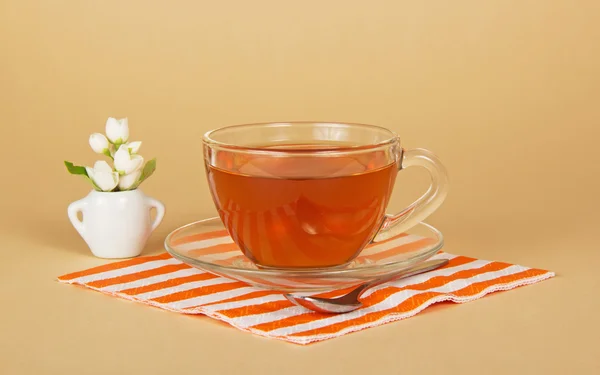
pixel 349 302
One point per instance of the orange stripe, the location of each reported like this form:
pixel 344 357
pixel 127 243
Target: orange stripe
pixel 419 299
pixel 411 246
pixel 454 262
pixel 386 241
pixel 197 292
pixel 458 261
pixel 169 283
pixel 251 233
pixel 216 249
pixel 268 251
pixel 261 280
pixel 256 309
pixel 382 294
pixel 229 261
pixel 230 214
pixel 261 293
pixel 239 229
pixel 138 275
pixel 435 282
pixel 114 266
pixel 408 305
pixel 201 237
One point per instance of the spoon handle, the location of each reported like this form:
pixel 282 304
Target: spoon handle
pixel 420 268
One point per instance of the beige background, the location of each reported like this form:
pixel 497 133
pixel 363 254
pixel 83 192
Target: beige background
pixel 505 92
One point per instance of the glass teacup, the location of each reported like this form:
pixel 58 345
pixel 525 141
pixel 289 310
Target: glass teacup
pixel 300 195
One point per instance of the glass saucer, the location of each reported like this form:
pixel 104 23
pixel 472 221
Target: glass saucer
pixel 206 245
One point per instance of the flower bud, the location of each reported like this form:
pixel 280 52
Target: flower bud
pixel 127 181
pixel 103 176
pixel 117 131
pixel 99 143
pixel 126 163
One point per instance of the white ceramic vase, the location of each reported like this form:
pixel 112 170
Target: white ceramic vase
pixel 116 224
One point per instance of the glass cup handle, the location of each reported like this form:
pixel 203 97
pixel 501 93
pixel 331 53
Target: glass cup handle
pixel 420 209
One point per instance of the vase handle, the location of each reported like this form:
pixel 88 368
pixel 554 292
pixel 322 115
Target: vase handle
pixel 73 209
pixel 160 212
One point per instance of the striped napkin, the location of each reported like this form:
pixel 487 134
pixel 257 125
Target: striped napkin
pixel 165 282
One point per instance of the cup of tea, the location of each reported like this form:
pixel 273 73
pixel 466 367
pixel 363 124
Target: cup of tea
pixel 299 195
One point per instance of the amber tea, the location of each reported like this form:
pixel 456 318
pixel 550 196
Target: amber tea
pixel 282 216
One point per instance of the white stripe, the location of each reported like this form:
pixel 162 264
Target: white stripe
pixel 279 282
pixel 290 283
pixel 235 224
pixel 226 216
pixel 261 230
pixel 220 256
pixel 244 280
pixel 246 302
pixel 213 297
pixel 424 277
pixel 394 258
pixel 253 320
pixel 183 287
pixel 225 219
pixel 396 299
pixel 204 243
pixel 391 244
pixel 248 220
pixel 152 280
pixel 125 271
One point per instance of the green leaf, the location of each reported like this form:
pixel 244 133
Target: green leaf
pixel 92 183
pixel 149 168
pixel 78 170
pixel 75 169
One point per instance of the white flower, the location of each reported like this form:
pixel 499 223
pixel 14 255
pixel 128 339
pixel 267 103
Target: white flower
pixel 127 181
pixel 126 163
pixel 117 131
pixel 133 147
pixel 99 143
pixel 103 176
